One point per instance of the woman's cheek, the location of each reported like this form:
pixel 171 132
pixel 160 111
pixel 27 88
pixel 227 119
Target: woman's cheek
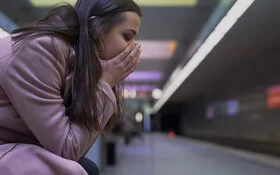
pixel 113 49
pixel 123 47
pixel 108 53
pixel 118 50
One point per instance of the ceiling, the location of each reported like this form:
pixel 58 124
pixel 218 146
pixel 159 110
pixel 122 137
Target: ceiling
pixel 246 59
pixel 179 24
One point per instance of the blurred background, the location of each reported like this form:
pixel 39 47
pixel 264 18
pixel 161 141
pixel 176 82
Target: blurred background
pixel 205 98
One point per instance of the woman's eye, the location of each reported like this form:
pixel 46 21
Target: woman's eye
pixel 126 37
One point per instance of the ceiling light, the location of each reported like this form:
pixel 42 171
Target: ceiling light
pixel 153 76
pixel 140 88
pixel 139 117
pixel 222 28
pixel 157 93
pixel 180 3
pixel 48 3
pixel 162 50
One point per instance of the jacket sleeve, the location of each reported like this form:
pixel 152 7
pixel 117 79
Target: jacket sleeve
pixel 32 81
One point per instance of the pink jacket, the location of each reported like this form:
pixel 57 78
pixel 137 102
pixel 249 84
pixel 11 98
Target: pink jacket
pixel 36 137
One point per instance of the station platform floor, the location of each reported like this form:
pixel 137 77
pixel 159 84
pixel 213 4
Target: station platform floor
pixel 157 154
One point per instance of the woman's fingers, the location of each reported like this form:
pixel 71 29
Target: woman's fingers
pixel 131 59
pixel 130 71
pixel 118 68
pixel 133 66
pixel 132 56
pixel 134 62
pixel 123 55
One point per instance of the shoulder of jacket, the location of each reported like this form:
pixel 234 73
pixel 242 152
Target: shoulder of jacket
pixel 50 43
pixel 56 46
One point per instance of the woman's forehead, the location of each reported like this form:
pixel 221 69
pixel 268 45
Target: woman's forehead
pixel 132 22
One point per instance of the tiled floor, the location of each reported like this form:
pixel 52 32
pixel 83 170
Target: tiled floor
pixel 157 154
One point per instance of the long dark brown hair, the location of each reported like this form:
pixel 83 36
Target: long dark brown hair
pixel 78 26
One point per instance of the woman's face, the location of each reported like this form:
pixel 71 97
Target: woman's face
pixel 120 36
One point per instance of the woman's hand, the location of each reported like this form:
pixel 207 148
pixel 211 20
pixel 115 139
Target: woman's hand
pixel 118 68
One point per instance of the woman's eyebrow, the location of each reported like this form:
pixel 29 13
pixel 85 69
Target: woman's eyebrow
pixel 131 30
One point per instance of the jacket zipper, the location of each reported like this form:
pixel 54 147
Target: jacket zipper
pixel 8 150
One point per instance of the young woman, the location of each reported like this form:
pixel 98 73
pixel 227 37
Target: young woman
pixel 59 84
